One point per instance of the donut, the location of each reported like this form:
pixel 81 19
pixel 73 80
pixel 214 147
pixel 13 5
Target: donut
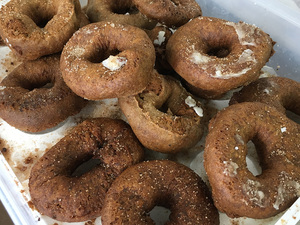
pixel 54 189
pixel 280 92
pixel 34 97
pixel 159 36
pixel 168 12
pixel 117 11
pixel 165 183
pixel 34 28
pixel 111 60
pixel 236 190
pixel 214 55
pixel 164 117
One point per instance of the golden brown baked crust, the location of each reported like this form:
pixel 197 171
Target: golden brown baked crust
pixel 34 28
pixel 59 194
pixel 164 116
pixel 168 12
pixel 165 183
pixel 34 96
pixel 236 191
pixel 280 92
pixel 215 55
pixel 83 57
pixel 118 11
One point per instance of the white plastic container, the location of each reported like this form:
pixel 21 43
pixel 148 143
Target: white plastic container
pixel 281 21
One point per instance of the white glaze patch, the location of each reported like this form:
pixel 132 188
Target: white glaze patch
pixel 255 195
pixel 238 138
pixel 160 38
pixel 114 62
pixel 244 32
pixel 199 58
pixel 230 168
pixel 246 56
pixel 193 104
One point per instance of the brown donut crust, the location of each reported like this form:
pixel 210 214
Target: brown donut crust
pixel 1 41
pixel 280 92
pixel 117 11
pixel 97 41
pixel 236 191
pixel 58 194
pixel 161 119
pixel 215 55
pixel 159 36
pixel 34 96
pixel 160 182
pixel 169 12
pixel 21 26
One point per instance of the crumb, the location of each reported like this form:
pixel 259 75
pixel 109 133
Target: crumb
pixel 28 160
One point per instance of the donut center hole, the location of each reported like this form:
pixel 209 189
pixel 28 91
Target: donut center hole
pixel 160 215
pixel 293 116
pixel 124 8
pixel 165 108
pixel 86 167
pixel 219 51
pixel 38 85
pixel 100 55
pixel 42 19
pixel 252 159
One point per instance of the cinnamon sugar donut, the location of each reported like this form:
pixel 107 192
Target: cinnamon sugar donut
pixel 34 97
pixel 118 11
pixel 107 60
pixel 214 56
pixel 58 193
pixel 34 28
pixel 164 117
pixel 169 12
pixel 236 191
pixel 161 182
pixel 280 92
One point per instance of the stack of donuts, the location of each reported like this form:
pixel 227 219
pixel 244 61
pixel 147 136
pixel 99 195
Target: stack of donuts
pixel 163 61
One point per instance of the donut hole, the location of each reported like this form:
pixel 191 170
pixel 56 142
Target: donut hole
pixel 252 159
pixel 218 51
pixel 165 108
pixel 160 214
pixel 41 19
pixel 293 116
pixel 37 84
pixel 100 54
pixel 85 167
pixel 123 7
